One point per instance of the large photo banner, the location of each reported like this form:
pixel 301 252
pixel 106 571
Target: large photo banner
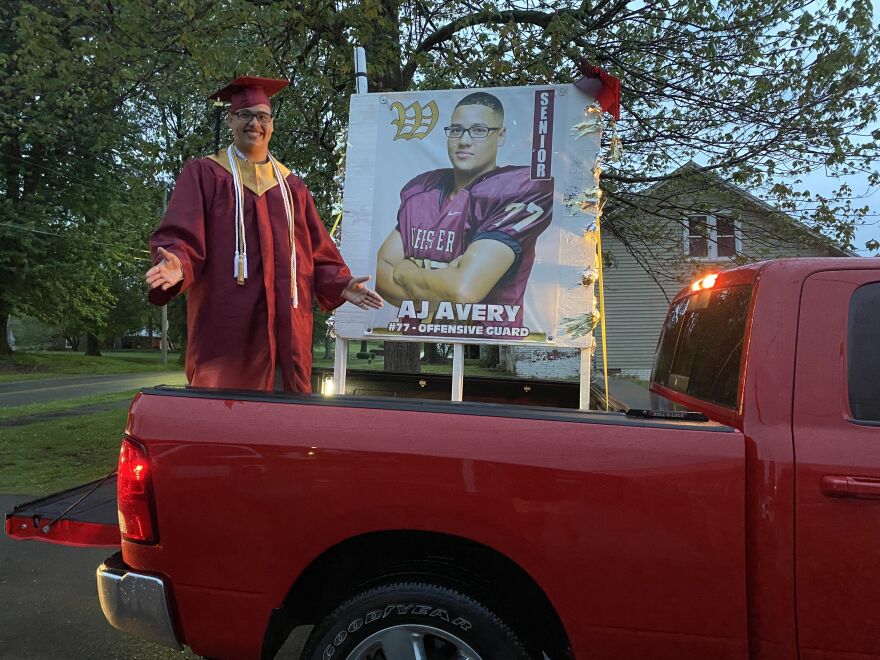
pixel 458 202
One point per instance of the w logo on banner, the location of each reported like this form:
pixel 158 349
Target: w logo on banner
pixel 414 120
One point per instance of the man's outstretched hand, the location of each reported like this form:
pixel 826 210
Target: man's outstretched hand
pixel 168 272
pixel 363 296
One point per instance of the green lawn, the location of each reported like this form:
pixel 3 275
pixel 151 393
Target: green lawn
pixel 45 457
pixel 48 364
pixel 30 409
pixel 52 455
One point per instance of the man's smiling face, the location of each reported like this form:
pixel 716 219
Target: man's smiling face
pixel 474 157
pixel 251 136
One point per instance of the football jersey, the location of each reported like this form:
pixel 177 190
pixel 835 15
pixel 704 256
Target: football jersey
pixel 505 205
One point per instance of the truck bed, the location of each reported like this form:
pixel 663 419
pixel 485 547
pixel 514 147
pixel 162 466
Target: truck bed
pixel 494 389
pixel 86 515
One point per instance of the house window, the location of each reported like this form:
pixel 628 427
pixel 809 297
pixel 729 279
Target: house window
pixel 711 237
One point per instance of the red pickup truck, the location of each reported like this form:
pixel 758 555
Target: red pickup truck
pixel 425 530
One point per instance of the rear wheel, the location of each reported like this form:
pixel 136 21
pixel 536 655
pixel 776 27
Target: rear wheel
pixel 413 621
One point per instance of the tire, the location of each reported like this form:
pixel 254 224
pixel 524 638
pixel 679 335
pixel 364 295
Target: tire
pixel 413 621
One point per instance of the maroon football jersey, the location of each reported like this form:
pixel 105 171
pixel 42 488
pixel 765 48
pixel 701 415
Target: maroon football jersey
pixel 503 205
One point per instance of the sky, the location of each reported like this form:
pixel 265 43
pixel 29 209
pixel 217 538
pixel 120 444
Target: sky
pixel 862 195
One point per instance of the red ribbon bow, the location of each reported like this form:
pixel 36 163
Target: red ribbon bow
pixel 604 87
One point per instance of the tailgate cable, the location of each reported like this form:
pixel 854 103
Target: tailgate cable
pixel 45 529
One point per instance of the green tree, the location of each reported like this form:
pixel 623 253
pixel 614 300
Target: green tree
pixel 102 104
pixel 131 311
pixel 72 175
pixel 763 93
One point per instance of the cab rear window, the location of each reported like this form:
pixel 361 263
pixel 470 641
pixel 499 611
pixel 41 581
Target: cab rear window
pixel 864 353
pixel 701 347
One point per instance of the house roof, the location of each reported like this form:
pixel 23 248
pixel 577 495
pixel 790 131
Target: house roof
pixel 692 169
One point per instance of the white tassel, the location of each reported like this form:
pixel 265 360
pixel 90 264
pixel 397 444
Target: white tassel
pixel 239 267
pixel 287 197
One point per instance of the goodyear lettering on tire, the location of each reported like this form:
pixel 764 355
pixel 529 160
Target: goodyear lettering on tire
pixel 428 611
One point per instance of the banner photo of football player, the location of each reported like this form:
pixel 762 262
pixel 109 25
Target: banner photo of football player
pixel 454 199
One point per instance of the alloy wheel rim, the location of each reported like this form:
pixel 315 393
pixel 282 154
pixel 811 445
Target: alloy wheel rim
pixel 413 642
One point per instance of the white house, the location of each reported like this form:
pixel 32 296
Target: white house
pixel 686 226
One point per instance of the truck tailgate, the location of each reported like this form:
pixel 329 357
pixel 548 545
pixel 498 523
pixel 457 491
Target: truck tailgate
pixel 83 516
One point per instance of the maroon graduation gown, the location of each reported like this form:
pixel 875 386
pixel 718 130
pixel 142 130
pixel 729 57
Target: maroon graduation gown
pixel 237 334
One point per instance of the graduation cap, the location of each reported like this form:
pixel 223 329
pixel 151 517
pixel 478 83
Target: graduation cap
pixel 247 91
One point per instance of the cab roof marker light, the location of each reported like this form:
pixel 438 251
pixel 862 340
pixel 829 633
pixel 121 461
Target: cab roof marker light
pixel 706 282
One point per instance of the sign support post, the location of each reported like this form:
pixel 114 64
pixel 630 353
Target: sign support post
pixel 585 379
pixel 164 317
pixel 457 370
pixel 340 362
pixel 164 323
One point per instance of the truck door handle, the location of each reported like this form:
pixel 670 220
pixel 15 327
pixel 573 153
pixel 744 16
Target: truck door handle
pixel 858 487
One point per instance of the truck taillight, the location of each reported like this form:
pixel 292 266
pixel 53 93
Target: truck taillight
pixel 134 494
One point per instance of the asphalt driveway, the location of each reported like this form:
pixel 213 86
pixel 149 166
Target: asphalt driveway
pixel 21 392
pixel 49 606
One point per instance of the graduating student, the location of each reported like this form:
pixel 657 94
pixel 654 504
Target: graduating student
pixel 242 237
